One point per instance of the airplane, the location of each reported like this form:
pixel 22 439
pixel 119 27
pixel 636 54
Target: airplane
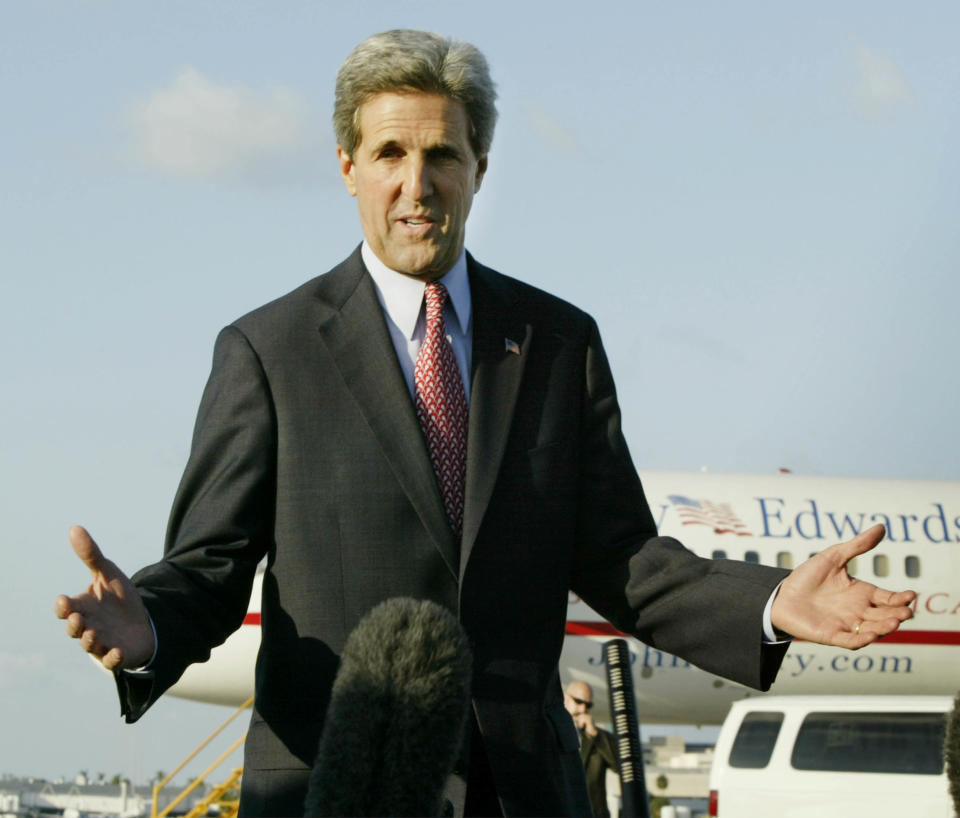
pixel 781 520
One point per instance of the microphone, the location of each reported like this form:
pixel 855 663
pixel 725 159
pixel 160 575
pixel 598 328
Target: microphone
pixel 397 714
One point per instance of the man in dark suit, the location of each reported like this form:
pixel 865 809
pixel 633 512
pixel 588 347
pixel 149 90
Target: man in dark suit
pixel 598 752
pixel 469 454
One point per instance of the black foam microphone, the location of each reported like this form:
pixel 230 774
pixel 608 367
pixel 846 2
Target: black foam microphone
pixel 397 713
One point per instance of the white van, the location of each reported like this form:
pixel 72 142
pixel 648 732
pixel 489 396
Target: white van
pixel 825 756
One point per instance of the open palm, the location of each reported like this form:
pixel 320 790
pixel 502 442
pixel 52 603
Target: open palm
pixel 108 617
pixel 820 602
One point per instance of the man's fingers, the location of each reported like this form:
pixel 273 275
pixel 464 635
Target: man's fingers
pixel 862 543
pixel 889 599
pixel 112 658
pixel 881 627
pixel 852 640
pixel 85 548
pixel 62 607
pixel 89 641
pixel 88 638
pixel 75 625
pixel 866 632
pixel 901 614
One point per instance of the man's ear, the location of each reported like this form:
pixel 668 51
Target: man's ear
pixel 347 170
pixel 481 170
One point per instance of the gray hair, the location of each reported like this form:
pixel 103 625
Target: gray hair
pixel 409 60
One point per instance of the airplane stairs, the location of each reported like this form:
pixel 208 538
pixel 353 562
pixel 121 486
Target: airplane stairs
pixel 224 795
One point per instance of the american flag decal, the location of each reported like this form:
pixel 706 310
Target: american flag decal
pixel 718 516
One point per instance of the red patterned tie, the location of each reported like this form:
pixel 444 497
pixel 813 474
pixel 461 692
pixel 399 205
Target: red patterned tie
pixel 442 407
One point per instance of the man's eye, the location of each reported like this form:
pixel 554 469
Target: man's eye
pixel 445 156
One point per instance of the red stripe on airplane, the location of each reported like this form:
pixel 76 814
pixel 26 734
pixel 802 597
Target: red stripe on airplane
pixel 592 629
pixel 919 638
pixel 606 629
pixel 923 638
pixel 898 638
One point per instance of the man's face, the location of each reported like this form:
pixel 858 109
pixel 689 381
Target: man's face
pixel 414 175
pixel 578 699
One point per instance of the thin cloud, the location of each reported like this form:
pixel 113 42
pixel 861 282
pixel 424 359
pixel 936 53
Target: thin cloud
pixel 200 129
pixel 880 86
pixel 552 131
pixel 16 669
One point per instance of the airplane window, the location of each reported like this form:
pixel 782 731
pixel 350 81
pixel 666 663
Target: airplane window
pixel 784 560
pixel 881 565
pixel 755 739
pixel 852 566
pixel 752 556
pixel 871 743
pixel 719 555
pixel 912 566
pixel 814 553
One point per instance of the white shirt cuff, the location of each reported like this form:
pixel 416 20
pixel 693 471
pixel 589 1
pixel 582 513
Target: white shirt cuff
pixel 769 634
pixel 145 670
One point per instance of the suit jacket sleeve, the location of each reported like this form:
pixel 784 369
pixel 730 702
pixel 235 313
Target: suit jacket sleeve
pixel 220 526
pixel 709 612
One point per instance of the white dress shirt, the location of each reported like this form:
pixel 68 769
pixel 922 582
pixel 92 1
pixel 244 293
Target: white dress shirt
pixel 401 299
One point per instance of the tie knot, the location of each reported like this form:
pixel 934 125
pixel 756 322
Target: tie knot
pixel 436 296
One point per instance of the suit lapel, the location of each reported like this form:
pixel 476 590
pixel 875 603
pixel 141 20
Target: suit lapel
pixel 496 376
pixel 354 331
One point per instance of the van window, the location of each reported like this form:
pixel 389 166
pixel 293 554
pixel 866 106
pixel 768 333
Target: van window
pixel 753 745
pixel 871 743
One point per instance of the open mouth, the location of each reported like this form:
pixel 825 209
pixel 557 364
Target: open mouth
pixel 416 226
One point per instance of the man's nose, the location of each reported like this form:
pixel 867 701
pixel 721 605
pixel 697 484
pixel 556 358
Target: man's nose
pixel 417 183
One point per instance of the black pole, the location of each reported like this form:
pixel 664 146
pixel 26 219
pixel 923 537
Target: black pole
pixel 626 727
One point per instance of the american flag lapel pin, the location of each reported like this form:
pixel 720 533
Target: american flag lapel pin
pixel 511 346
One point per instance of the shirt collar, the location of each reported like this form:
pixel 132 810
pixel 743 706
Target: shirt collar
pixel 401 296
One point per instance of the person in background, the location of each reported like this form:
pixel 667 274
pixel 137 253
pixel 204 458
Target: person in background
pixel 597 747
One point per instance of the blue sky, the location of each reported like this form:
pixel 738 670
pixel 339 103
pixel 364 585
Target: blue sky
pixel 758 202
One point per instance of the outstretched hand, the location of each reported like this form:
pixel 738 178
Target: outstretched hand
pixel 108 617
pixel 820 602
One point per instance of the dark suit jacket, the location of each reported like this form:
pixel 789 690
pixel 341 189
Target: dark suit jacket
pixel 598 755
pixel 307 450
